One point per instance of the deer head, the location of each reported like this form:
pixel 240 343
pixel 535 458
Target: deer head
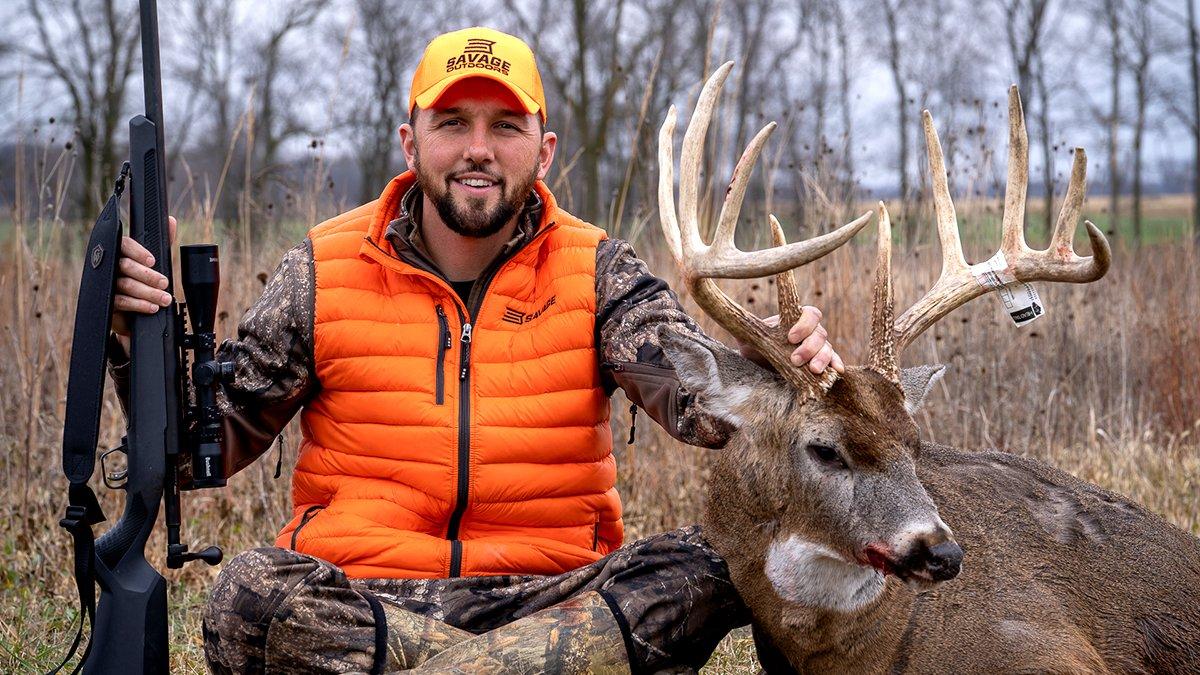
pixel 819 483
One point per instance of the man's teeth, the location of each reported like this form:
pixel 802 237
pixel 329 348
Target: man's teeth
pixel 476 182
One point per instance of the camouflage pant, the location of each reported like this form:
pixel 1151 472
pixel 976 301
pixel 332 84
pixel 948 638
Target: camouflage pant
pixel 666 599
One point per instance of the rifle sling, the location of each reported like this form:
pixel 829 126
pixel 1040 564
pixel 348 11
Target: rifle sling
pixel 85 394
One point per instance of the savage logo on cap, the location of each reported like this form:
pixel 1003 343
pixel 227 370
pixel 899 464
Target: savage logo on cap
pixel 478 54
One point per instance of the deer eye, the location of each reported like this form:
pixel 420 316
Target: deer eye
pixel 826 455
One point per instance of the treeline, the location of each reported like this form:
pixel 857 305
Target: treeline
pixel 289 109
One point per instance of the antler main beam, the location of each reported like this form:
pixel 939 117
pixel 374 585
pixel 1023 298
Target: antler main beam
pixel 700 263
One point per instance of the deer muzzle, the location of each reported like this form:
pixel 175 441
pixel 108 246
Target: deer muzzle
pixel 918 558
pixel 930 559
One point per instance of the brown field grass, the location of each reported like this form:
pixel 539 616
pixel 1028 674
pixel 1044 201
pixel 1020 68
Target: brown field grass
pixel 1105 386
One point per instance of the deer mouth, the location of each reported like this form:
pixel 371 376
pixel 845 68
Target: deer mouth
pixel 879 557
pixel 921 569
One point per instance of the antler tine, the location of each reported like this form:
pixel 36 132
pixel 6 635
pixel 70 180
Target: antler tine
pixel 666 187
pixel 882 357
pixel 947 221
pixel 1062 243
pixel 1018 177
pixel 700 263
pixel 958 284
pixel 727 223
pixel 786 290
pixel 690 159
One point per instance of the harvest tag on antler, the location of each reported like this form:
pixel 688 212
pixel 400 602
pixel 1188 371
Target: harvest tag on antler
pixel 1020 299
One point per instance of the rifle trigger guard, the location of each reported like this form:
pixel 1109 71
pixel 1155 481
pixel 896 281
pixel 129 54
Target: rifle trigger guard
pixel 117 479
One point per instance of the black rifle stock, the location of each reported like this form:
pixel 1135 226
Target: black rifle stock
pixel 132 611
pixel 172 411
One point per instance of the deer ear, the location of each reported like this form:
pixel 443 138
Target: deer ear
pixel 917 382
pixel 724 379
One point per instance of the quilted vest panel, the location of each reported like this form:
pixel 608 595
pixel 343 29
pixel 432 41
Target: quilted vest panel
pixel 425 454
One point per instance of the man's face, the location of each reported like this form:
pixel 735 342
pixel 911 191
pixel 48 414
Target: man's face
pixel 476 155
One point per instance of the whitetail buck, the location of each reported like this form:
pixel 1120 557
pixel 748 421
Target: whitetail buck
pixel 858 547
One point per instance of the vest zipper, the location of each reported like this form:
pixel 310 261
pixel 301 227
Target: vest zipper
pixel 464 450
pixel 444 344
pixel 464 400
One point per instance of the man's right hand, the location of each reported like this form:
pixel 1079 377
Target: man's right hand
pixel 140 288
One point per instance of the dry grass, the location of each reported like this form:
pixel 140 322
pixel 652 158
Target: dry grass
pixel 1106 386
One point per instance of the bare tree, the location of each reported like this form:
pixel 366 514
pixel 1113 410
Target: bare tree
pixel 1189 112
pixel 388 47
pixel 891 15
pixel 587 65
pixel 207 64
pixel 1139 36
pixel 816 24
pixel 88 47
pixel 1194 68
pixel 845 57
pixel 750 21
pixel 1112 122
pixel 1025 25
pixel 276 120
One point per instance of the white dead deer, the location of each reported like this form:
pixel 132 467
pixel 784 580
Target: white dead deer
pixel 834 517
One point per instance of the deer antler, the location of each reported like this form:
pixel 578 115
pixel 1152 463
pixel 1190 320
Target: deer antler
pixel 957 285
pixel 700 263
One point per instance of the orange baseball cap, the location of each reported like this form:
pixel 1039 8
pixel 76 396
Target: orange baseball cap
pixel 478 52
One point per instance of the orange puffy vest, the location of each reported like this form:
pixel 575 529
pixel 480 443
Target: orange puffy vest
pixel 446 440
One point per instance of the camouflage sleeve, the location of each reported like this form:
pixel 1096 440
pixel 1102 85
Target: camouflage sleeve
pixel 631 304
pixel 273 362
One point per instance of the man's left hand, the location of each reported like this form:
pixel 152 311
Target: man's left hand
pixel 814 348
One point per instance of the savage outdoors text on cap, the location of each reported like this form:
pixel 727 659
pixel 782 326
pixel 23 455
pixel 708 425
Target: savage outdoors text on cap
pixel 478 52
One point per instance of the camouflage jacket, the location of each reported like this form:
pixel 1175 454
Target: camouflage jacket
pixel 273 351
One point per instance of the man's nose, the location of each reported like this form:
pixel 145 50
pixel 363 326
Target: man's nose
pixel 479 146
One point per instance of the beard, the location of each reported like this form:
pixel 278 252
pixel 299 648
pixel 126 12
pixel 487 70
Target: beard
pixel 470 216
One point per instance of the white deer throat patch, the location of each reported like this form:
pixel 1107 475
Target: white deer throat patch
pixel 814 575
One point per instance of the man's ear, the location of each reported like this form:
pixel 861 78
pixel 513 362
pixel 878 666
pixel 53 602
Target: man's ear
pixel 917 382
pixel 725 380
pixel 408 144
pixel 546 154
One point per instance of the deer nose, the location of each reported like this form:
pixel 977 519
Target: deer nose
pixel 944 560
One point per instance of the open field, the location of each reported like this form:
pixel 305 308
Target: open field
pixel 1106 386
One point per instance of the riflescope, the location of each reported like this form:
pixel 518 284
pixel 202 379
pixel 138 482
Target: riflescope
pixel 201 270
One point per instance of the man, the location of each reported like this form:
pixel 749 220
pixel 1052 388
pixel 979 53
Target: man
pixel 452 347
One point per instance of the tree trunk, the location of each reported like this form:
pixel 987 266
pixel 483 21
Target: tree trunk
pixel 901 214
pixel 1025 46
pixel 1194 52
pixel 843 40
pixel 820 102
pixel 590 160
pixel 89 159
pixel 1114 115
pixel 1047 150
pixel 1138 131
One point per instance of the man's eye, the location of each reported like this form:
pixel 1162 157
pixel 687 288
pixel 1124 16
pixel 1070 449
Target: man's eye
pixel 826 455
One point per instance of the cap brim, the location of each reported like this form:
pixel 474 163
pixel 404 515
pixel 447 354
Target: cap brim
pixel 429 97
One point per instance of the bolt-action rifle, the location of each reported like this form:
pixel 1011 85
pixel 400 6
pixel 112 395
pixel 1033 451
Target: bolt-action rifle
pixel 173 439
